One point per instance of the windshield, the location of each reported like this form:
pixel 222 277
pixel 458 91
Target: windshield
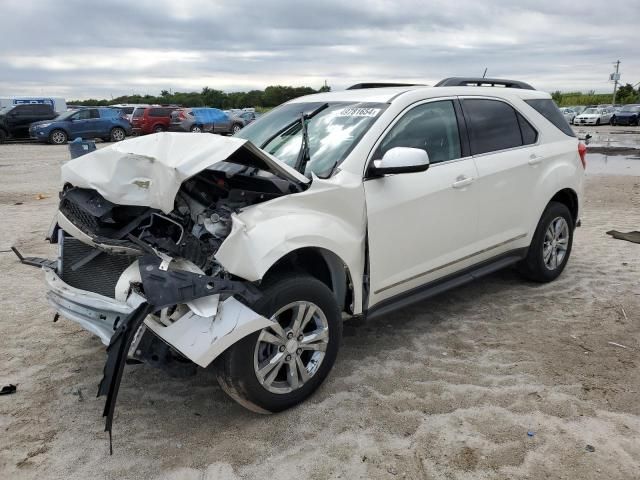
pixel 631 108
pixel 591 111
pixel 332 133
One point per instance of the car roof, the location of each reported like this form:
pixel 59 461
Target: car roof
pixel 389 94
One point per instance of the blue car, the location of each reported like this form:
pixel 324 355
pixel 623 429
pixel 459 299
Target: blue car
pixel 100 122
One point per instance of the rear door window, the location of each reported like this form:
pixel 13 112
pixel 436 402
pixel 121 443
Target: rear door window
pixel 549 110
pixel 529 134
pixel 493 125
pixel 94 113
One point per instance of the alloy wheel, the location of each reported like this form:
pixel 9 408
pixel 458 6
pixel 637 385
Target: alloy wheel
pixel 556 242
pixel 117 135
pixel 58 137
pixel 289 353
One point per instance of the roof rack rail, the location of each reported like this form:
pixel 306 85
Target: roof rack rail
pixel 482 82
pixel 359 86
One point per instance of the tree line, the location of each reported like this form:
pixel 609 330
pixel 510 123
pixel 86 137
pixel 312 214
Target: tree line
pixel 625 94
pixel 270 97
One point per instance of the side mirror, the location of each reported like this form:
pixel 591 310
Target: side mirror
pixel 400 160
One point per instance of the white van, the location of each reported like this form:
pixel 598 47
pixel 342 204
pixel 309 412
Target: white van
pixel 58 103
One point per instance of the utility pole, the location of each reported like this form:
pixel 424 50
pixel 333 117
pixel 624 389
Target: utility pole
pixel 615 77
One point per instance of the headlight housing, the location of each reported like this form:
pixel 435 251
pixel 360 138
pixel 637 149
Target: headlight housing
pixel 43 125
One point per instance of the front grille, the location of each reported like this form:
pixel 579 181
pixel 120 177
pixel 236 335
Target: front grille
pixel 100 275
pixel 80 218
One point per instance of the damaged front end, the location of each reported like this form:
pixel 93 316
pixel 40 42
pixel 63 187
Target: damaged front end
pixel 138 228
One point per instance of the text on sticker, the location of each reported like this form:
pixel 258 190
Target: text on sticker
pixel 358 112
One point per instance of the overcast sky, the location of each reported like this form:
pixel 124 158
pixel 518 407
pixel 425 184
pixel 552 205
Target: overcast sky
pixel 85 48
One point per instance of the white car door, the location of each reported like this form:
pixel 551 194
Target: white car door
pixel 421 226
pixel 508 159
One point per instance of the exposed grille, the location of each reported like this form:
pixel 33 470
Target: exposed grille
pixel 81 219
pixel 100 275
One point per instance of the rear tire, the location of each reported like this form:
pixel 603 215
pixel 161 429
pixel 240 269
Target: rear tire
pixel 196 129
pixel 276 368
pixel 58 137
pixel 117 134
pixel 235 128
pixel 551 245
pixel 3 136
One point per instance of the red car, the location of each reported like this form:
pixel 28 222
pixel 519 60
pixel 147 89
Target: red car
pixel 151 119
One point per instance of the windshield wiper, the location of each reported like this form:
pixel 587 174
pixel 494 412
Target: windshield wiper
pixel 289 125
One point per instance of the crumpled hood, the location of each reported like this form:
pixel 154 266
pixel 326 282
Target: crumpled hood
pixel 148 170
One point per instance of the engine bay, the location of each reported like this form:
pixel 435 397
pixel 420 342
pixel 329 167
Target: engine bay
pixel 193 230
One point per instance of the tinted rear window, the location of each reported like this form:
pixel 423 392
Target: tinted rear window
pixel 493 125
pixel 548 109
pixel 138 112
pixel 159 112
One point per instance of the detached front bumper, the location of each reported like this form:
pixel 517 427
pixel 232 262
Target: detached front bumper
pixel 107 289
pixel 96 313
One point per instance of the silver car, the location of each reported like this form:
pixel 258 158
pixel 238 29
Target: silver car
pixel 594 116
pixel 568 114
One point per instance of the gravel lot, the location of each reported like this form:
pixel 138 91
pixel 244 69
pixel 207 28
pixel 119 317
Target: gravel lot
pixel 446 389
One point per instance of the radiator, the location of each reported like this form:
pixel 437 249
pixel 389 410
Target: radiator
pixel 100 275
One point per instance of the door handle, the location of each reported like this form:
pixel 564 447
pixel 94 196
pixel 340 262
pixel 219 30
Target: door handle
pixel 462 181
pixel 534 159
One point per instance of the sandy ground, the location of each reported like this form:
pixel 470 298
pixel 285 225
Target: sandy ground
pixel 446 389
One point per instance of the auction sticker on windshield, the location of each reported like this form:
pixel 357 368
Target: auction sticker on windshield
pixel 358 112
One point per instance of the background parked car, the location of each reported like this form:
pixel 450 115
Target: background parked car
pixel 105 123
pixel 569 114
pixel 594 116
pixel 247 117
pixel 128 109
pixel 578 109
pixel 627 115
pixel 15 120
pixel 151 119
pixel 211 120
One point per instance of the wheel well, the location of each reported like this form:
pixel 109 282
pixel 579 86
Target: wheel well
pixel 569 198
pixel 320 263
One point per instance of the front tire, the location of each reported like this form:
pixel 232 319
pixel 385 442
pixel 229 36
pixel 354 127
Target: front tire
pixel 196 129
pixel 597 122
pixel 235 128
pixel 58 137
pixel 117 134
pixel 613 121
pixel 278 367
pixel 158 129
pixel 551 245
pixel 3 136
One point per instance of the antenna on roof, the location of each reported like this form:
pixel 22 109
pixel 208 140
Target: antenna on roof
pixel 485 72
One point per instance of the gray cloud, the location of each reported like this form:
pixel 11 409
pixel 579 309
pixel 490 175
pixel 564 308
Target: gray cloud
pixel 81 48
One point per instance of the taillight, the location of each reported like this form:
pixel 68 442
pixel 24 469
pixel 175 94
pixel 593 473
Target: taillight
pixel 182 116
pixel 582 151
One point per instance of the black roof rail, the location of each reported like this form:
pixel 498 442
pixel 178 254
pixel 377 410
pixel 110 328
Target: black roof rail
pixel 359 86
pixel 482 82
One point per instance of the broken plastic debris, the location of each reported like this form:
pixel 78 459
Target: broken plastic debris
pixel 8 389
pixel 42 196
pixel 530 433
pixel 590 448
pixel 617 344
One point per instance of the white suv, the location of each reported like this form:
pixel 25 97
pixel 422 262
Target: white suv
pixel 247 252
